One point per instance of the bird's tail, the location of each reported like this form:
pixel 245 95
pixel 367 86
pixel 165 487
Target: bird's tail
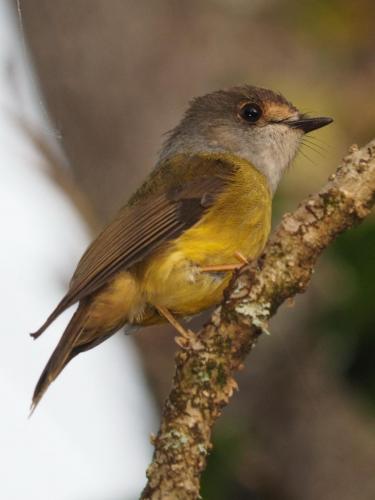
pixel 66 349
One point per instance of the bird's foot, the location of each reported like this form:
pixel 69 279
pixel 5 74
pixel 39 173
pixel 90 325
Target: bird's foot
pixel 187 338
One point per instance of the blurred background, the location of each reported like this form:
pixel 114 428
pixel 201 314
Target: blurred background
pixel 105 80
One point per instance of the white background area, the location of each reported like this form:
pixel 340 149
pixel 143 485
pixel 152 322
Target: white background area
pixel 89 437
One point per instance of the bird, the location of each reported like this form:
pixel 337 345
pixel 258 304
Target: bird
pixel 202 212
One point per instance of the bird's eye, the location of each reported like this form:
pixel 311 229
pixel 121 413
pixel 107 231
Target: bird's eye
pixel 250 112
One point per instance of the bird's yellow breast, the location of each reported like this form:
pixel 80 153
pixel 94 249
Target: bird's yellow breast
pixel 238 221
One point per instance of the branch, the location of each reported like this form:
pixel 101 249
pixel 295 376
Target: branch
pixel 203 382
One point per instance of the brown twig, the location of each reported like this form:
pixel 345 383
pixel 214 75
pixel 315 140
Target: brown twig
pixel 203 382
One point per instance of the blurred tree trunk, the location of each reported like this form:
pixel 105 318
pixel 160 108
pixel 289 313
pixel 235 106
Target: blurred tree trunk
pixel 115 75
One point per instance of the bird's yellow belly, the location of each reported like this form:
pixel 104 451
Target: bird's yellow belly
pixel 240 222
pixel 181 286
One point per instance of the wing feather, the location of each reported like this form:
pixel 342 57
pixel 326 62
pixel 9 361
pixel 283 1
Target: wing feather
pixel 136 232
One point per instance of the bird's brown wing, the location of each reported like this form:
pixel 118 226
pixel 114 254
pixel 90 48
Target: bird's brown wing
pixel 137 231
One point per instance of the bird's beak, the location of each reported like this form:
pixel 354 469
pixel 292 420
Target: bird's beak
pixel 309 124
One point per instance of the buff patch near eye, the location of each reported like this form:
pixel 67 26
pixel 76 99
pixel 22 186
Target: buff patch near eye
pixel 274 111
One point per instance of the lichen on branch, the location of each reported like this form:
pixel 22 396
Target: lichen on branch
pixel 204 378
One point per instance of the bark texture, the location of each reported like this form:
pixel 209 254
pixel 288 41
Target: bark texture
pixel 204 379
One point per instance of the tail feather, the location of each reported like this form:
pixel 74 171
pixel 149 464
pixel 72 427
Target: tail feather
pixel 61 306
pixel 66 349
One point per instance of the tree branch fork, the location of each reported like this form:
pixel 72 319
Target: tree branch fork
pixel 204 379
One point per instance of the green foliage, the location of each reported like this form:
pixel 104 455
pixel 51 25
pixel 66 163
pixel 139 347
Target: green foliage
pixel 219 479
pixel 350 321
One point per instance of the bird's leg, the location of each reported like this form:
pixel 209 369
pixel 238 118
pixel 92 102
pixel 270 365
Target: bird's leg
pixel 240 256
pixel 172 320
pixel 188 338
pixel 227 267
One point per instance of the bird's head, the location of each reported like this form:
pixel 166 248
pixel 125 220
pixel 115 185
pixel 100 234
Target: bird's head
pixel 253 123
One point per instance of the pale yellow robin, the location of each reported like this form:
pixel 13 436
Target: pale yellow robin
pixel 206 206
